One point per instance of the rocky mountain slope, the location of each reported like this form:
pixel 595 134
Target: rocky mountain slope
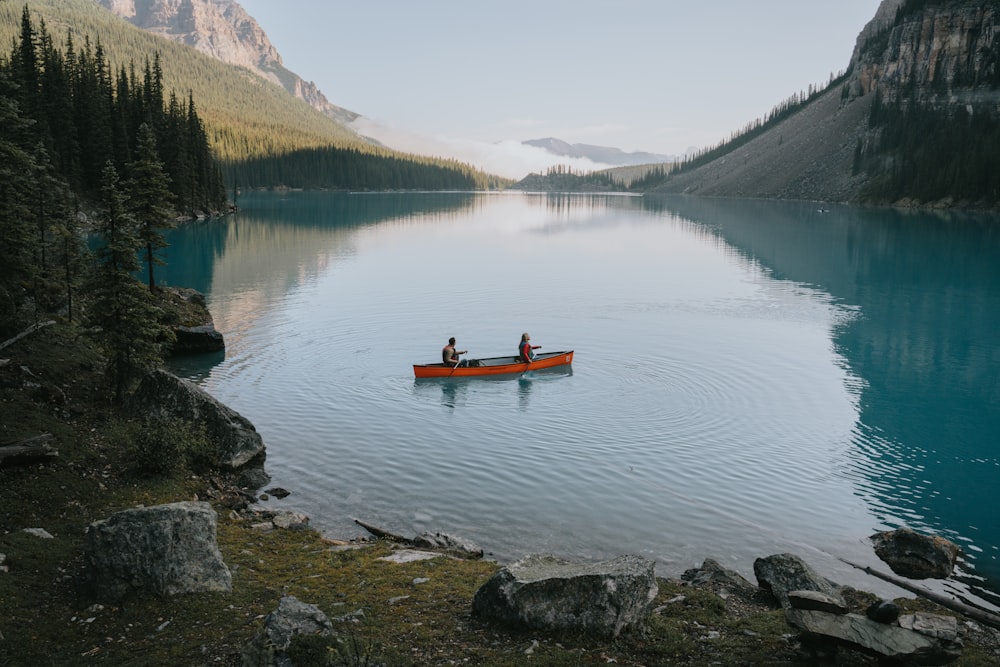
pixel 223 30
pixel 941 56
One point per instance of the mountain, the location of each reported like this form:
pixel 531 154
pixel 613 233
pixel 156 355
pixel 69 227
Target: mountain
pixel 223 30
pixel 599 154
pixel 915 120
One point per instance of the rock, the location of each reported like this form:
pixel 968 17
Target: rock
pixel 197 340
pixel 291 619
pixel 782 573
pixel 410 556
pixel 39 532
pixel 910 554
pixel 456 545
pixel 883 611
pixel 284 519
pixel 279 492
pixel 815 601
pixel 163 550
pixel 163 394
pixel 252 477
pixel 548 593
pixel 904 645
pixel 719 579
pixel 931 625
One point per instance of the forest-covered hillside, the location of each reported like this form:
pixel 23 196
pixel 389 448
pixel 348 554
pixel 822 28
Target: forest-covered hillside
pixel 259 132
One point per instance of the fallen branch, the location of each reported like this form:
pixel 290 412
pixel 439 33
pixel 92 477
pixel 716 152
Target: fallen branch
pixel 378 532
pixel 30 450
pixel 981 615
pixel 30 330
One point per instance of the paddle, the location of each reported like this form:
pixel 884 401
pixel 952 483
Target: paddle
pixel 457 363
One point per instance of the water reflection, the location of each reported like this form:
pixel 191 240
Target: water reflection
pixel 924 346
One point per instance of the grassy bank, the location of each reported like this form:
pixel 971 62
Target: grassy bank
pixel 385 613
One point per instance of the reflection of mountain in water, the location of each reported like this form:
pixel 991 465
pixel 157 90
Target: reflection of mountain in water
pixel 276 243
pixel 925 344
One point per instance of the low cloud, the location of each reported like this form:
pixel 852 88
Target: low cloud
pixel 509 158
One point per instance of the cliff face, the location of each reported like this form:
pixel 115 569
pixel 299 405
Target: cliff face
pixel 223 30
pixel 945 56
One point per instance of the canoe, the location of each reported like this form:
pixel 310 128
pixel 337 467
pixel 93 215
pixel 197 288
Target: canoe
pixel 493 366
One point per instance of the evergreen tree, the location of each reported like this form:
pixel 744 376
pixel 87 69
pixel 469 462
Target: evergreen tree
pixel 150 198
pixel 17 268
pixel 123 311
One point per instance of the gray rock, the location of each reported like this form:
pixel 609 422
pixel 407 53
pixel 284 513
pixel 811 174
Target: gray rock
pixel 163 394
pixel 903 645
pixel 816 601
pixel 292 618
pixel 719 579
pixel 910 554
pixel 162 550
pixel 883 611
pixel 782 573
pixel 197 339
pixel 548 593
pixel 456 545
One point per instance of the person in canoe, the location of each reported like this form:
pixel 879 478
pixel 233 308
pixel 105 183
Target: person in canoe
pixel 450 356
pixel 525 351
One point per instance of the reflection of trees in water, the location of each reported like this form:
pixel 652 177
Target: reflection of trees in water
pixel 272 226
pixel 924 342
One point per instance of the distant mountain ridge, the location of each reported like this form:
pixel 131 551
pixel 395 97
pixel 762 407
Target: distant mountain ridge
pixel 223 30
pixel 599 154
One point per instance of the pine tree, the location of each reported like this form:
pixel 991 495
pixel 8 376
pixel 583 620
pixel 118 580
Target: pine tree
pixel 16 166
pixel 149 202
pixel 123 311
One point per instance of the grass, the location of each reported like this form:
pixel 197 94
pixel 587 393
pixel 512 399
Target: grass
pixel 381 613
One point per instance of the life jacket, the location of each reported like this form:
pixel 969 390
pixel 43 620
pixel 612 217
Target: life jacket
pixel 524 351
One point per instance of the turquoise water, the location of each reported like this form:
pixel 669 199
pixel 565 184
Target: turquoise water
pixel 750 377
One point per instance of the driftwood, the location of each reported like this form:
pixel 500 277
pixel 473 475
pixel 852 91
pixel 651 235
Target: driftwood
pixel 30 450
pixel 378 532
pixel 30 330
pixel 981 615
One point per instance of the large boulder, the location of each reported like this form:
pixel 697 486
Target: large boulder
pixel 918 639
pixel 197 339
pixel 548 593
pixel 163 550
pixel 292 618
pixel 165 395
pixel 910 554
pixel 783 573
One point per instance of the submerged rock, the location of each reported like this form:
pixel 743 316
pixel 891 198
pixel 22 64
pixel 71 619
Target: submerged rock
pixel 910 554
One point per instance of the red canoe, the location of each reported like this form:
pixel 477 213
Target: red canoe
pixel 493 366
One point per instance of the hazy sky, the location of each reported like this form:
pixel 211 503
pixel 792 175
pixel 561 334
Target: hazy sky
pixel 474 79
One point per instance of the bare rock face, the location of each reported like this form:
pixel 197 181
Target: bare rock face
pixel 223 30
pixel 162 550
pixel 910 554
pixel 548 593
pixel 164 394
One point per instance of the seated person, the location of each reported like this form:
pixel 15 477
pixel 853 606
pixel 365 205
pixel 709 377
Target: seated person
pixel 450 356
pixel 525 350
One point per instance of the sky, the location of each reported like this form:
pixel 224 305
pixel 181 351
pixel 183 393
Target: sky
pixel 472 80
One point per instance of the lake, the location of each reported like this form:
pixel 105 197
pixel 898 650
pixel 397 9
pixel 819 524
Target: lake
pixel 750 377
